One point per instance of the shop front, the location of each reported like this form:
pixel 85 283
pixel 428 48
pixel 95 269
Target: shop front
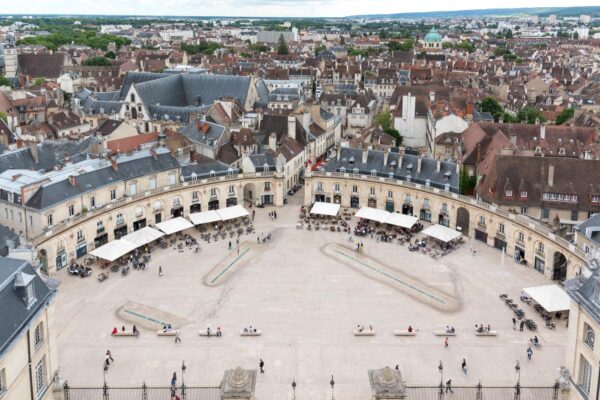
pixel 519 254
pixel 177 212
pixel 100 240
pixel 319 197
pixel 267 199
pixel 389 206
pixel 444 220
pixel 195 208
pixel 157 218
pixel 139 224
pixel 539 264
pixel 480 235
pixel 407 209
pixel 425 215
pixel 354 201
pixel 337 199
pixel 372 203
pixel 80 249
pixel 61 259
pixel 231 201
pixel 499 243
pixel 213 205
pixel 120 232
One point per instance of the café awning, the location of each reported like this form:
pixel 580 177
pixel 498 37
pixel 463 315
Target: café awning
pixel 174 225
pixel 232 212
pixel 401 220
pixel 373 214
pixel 113 250
pixel 204 217
pixel 441 232
pixel 143 236
pixel 322 208
pixel 551 297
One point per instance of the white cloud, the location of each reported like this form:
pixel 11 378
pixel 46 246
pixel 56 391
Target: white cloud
pixel 284 8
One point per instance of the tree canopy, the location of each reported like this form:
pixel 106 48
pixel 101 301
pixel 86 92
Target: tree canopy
pixel 282 47
pixel 203 47
pixel 97 61
pixel 87 38
pixel 564 116
pixel 4 81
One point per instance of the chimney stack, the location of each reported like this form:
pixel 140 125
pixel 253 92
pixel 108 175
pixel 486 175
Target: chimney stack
pixel 439 165
pixel 154 154
pixel 386 154
pixel 419 162
pixel 72 180
pixel 432 96
pixel 365 155
pixel 33 149
pixel 551 175
pixel 543 131
pixel 292 126
pixel 192 154
pixel 113 164
pixel 273 142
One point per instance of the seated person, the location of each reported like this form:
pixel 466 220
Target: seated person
pixel 218 331
pixel 489 328
pixel 410 329
pixel 452 330
pixel 114 331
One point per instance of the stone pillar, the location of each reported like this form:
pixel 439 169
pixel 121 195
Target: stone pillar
pixel 386 384
pixel 238 384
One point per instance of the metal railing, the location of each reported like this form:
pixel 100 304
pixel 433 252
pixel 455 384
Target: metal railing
pixel 64 225
pixel 525 222
pixel 142 392
pixel 480 392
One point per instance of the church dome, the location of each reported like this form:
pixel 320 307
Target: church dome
pixel 433 36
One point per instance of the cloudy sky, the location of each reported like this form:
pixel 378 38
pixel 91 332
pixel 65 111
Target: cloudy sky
pixel 296 8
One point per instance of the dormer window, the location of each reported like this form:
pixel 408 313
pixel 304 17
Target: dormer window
pixel 523 194
pixel 24 284
pixel 508 193
pixel 562 151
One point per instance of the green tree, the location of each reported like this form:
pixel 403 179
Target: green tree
pixel 467 183
pixel 530 115
pixel 110 54
pixel 282 47
pixel 491 105
pixel 314 89
pixel 39 81
pixel 384 119
pixel 3 117
pixel 319 50
pixel 4 81
pixel 564 116
pixel 97 61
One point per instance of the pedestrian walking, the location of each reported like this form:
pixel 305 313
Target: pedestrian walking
pixel 177 338
pixel 174 380
pixel 109 356
pixel 159 271
pixel 446 343
pixel 514 323
pixel 238 251
pixel 529 353
pixel 107 361
pixel 261 364
pixel 449 386
pixel 275 213
pixel 362 247
pixel 464 366
pixel 521 324
pixel 258 239
pixel 253 213
pixel 230 245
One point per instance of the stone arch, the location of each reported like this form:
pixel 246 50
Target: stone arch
pixel 213 198
pixel 133 112
pixel 176 206
pixel 559 266
pixel 250 194
pixel 319 191
pixel 61 254
pixel 231 196
pixel 195 201
pixel 463 220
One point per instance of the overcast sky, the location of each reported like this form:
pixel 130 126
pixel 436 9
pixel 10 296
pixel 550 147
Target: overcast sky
pixel 267 8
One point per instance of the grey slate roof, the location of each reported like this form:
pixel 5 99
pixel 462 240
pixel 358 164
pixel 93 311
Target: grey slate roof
pixel 57 192
pixel 7 237
pixel 586 292
pixel 50 154
pixel 210 138
pixel 592 222
pixel 14 314
pixel 206 170
pixel 351 158
pixel 263 162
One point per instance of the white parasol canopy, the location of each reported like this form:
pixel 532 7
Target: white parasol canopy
pixel 401 220
pixel 374 214
pixel 551 297
pixel 174 225
pixel 442 233
pixel 113 250
pixel 143 236
pixel 232 212
pixel 322 208
pixel 205 217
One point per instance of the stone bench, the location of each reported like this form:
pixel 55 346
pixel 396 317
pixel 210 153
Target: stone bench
pixel 212 333
pixel 364 333
pixel 404 333
pixel 120 333
pixel 490 333
pixel 444 333
pixel 172 332
pixel 254 333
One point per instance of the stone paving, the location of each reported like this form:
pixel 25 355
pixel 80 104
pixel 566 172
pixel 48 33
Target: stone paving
pixel 307 304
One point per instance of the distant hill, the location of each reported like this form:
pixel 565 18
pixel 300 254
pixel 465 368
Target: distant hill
pixel 594 11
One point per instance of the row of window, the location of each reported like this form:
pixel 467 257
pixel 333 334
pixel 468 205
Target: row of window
pixel 571 198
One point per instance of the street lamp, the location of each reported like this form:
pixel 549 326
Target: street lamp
pixel 518 387
pixel 294 388
pixel 332 383
pixel 183 368
pixel 441 369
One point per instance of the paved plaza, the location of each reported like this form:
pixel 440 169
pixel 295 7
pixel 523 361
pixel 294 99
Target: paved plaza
pixel 307 291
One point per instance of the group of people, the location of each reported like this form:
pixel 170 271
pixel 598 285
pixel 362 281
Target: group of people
pixel 134 330
pixel 273 215
pixel 483 329
pixel 359 248
pixel 361 328
pixel 218 332
pixel 250 329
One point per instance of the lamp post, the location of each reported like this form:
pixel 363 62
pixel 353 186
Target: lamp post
pixel 518 387
pixel 332 383
pixel 105 386
pixel 294 388
pixel 441 369
pixel 183 368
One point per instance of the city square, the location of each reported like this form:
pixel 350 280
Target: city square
pixel 307 304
